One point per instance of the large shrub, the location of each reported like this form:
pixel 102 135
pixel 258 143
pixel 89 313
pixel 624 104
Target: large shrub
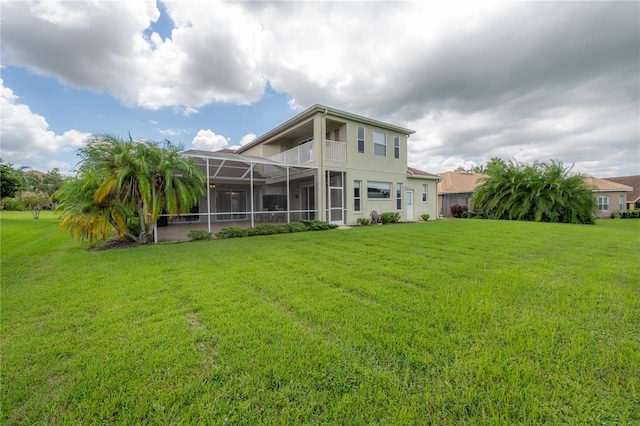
pixel 537 192
pixel 457 210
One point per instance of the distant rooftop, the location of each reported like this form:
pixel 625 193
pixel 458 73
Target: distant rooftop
pixel 459 182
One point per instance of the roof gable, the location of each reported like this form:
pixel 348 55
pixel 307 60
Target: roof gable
pixel 420 174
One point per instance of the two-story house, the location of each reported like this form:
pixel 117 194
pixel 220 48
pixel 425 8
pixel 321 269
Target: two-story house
pixel 324 164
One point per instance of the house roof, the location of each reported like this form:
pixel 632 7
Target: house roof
pixel 227 150
pixel 229 155
pixel 604 185
pixel 633 182
pixel 309 112
pixel 415 173
pixel 224 165
pixel 35 173
pixel 459 182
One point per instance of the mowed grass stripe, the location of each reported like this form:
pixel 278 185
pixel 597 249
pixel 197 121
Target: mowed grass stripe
pixel 465 321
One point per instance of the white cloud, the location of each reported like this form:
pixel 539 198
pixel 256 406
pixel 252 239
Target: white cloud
pixel 209 141
pixel 209 57
pixel 249 137
pixel 26 138
pixel 172 131
pixel 528 80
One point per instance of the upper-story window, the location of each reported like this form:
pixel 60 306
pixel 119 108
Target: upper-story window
pixel 396 146
pixel 379 143
pixel 360 139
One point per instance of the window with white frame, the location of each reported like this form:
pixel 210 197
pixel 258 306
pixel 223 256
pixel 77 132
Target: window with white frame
pixel 360 139
pixel 378 189
pixel 621 203
pixel 398 196
pixel 425 197
pixel 379 143
pixel 396 146
pixel 357 197
pixel 603 203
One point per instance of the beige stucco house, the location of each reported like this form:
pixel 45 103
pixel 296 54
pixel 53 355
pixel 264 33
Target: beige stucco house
pixel 633 197
pixel 324 164
pixel 610 196
pixel 457 188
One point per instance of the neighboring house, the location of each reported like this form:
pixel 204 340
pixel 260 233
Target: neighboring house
pixel 322 164
pixel 633 197
pixel 610 196
pixel 457 188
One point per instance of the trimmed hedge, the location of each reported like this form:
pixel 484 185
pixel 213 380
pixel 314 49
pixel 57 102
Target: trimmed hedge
pixel 266 229
pixel 629 214
pixel 199 235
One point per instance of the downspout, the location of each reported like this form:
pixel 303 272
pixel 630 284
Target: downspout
pixel 288 197
pixel 155 224
pixel 323 177
pixel 208 198
pixel 252 196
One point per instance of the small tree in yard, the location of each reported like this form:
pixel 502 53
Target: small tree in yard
pixel 122 188
pixel 457 210
pixel 34 202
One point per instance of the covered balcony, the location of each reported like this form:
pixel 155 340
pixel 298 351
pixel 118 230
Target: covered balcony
pixel 303 154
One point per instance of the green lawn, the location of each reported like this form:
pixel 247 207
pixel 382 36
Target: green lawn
pixel 448 322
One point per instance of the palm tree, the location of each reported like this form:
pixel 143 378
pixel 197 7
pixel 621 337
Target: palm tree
pixel 123 186
pixel 83 217
pixel 538 192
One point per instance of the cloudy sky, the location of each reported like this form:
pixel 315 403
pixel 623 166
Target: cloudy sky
pixel 476 80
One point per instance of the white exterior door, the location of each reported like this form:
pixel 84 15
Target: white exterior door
pixel 410 205
pixel 335 197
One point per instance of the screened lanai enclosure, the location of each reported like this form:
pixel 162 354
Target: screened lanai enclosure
pixel 244 191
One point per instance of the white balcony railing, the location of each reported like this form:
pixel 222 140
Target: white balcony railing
pixel 336 151
pixel 299 155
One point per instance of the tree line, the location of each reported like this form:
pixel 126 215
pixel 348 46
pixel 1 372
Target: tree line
pixel 24 189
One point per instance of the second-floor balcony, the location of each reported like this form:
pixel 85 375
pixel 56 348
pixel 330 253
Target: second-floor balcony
pixel 302 154
pixel 335 151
